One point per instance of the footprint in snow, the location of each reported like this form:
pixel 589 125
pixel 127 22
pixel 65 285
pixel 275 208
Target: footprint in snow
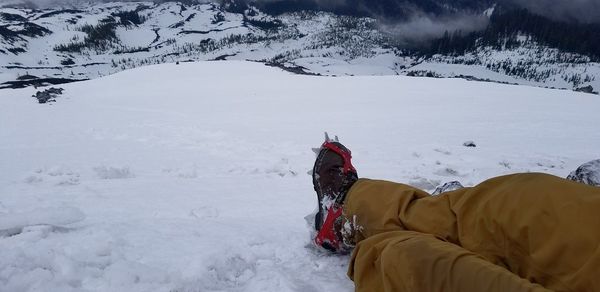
pixel 231 272
pixel 204 212
pixel 58 175
pixel 110 172
pixel 443 151
pixel 447 171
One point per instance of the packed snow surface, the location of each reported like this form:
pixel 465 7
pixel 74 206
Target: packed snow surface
pixel 193 177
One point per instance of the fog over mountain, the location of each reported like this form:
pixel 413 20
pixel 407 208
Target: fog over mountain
pixel 421 28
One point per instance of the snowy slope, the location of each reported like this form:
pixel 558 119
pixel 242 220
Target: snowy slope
pixel 198 182
pixel 530 64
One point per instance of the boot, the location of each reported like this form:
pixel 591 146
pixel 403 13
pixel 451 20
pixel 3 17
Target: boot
pixel 333 176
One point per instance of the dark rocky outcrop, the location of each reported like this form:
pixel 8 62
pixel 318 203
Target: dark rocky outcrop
pixel 588 173
pixel 447 187
pixel 587 89
pixel 28 29
pixel 57 12
pixel 27 77
pixel 36 82
pixel 469 144
pixel 300 70
pixel 48 95
pixel 12 17
pixel 67 62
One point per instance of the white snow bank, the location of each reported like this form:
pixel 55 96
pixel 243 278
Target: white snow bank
pixel 14 222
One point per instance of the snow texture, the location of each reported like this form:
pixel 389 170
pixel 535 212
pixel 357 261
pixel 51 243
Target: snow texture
pixel 193 177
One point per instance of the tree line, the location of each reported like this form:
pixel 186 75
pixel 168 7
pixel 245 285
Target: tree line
pixel 507 25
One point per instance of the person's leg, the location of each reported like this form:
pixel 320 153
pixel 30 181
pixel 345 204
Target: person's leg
pixel 541 227
pixel 376 206
pixel 405 261
pixel 544 228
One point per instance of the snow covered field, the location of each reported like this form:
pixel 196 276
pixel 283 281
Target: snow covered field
pixel 193 177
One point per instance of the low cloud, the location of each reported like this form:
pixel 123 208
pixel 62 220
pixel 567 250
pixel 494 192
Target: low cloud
pixel 422 28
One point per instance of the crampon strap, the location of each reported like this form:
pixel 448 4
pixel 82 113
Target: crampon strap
pixel 346 155
pixel 326 237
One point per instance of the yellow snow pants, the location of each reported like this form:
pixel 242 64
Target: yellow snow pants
pixel 521 232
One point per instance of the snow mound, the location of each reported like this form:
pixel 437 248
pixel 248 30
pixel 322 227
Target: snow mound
pixel 15 222
pixel 57 175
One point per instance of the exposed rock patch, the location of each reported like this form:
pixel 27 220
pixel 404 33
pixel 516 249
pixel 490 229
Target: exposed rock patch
pixel 48 95
pixel 588 173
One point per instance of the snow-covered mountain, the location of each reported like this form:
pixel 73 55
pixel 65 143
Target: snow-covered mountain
pixel 198 182
pixel 59 45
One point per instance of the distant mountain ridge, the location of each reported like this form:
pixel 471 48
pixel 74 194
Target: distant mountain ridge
pixel 87 41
